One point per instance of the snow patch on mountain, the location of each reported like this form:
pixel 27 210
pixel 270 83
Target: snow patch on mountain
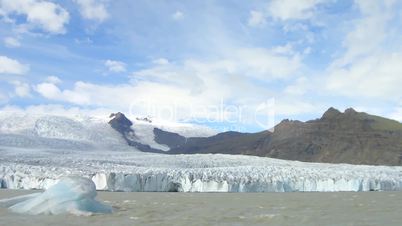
pixel 144 133
pixel 183 129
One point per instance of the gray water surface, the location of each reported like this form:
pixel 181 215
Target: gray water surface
pixel 342 208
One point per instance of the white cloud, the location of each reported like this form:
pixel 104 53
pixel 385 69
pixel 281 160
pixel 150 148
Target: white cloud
pixel 53 80
pixel 11 66
pixel 115 66
pixel 88 94
pixel 255 63
pixel 93 9
pixel 221 100
pixel 48 90
pixel 299 87
pixel 142 98
pixel 396 114
pixel 21 89
pixel 11 42
pixel 373 24
pixel 161 61
pixel 290 107
pixel 284 10
pixel 54 109
pixel 53 92
pixel 3 98
pixel 190 88
pixel 374 76
pixel 265 64
pixel 284 50
pixel 178 15
pixel 256 18
pixel 45 15
pixel 84 41
pixel 291 9
pixel 367 69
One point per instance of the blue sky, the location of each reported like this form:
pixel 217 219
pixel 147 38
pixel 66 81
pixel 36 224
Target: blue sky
pixel 227 64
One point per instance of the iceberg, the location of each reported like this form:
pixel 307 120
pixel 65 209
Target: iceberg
pixel 73 195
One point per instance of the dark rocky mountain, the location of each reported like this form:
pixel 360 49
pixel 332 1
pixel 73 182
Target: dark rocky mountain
pixel 172 140
pixel 349 137
pixel 226 143
pixel 122 124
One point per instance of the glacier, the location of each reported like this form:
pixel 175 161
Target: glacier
pixel 137 171
pixel 144 131
pixel 82 132
pixel 74 195
pixel 37 150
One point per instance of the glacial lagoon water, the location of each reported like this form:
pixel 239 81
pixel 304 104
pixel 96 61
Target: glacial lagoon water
pixel 308 208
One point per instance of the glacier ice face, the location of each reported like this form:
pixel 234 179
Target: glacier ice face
pixel 74 195
pixel 137 171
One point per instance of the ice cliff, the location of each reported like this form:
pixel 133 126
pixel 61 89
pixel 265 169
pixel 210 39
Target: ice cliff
pixel 136 171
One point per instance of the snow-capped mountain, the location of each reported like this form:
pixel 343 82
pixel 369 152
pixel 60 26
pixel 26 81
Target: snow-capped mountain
pixel 82 132
pixel 147 136
pixel 51 131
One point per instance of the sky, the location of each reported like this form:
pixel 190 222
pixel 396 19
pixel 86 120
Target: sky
pixel 231 65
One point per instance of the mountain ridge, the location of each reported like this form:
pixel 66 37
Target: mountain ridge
pixel 349 137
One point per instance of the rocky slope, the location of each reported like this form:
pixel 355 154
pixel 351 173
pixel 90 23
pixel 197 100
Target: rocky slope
pixel 349 137
pixel 122 124
pixel 170 139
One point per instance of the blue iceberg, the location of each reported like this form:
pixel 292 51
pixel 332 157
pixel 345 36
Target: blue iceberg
pixel 71 195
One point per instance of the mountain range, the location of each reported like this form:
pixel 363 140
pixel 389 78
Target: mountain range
pixel 38 149
pixel 337 137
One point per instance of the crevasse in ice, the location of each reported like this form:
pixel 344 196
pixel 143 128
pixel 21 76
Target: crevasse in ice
pixel 135 171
